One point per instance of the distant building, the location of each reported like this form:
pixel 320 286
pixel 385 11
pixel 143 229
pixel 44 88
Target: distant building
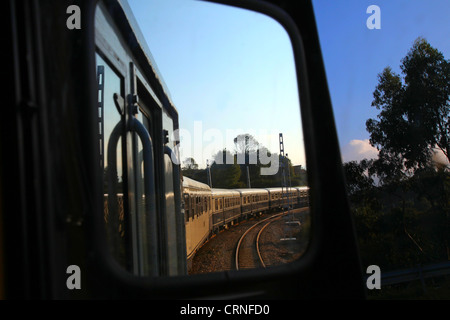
pixel 297 169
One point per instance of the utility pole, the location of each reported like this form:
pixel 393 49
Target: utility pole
pixel 247 160
pixel 208 174
pixel 285 186
pixel 284 182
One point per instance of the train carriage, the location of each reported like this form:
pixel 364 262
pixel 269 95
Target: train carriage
pixel 275 196
pixel 303 196
pixel 197 212
pixel 137 124
pixel 280 197
pixel 226 207
pixel 292 197
pixel 253 201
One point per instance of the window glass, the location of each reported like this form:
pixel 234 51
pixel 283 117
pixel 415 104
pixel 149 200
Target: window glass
pixel 111 83
pixel 230 74
pixel 388 71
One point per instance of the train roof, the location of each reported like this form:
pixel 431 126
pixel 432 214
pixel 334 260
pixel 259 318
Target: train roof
pixel 252 190
pixel 189 183
pixel 224 192
pixel 279 189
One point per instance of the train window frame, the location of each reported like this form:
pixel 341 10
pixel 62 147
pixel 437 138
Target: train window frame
pixel 114 64
pixel 227 284
pixel 110 45
pixel 55 90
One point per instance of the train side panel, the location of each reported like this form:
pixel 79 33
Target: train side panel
pixel 197 212
pixel 253 201
pixel 226 207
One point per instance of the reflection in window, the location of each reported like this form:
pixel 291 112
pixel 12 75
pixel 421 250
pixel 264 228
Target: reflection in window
pixel 109 117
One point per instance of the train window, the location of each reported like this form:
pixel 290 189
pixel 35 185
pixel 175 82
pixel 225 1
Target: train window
pixel 217 86
pixel 186 207
pixel 110 83
pixel 197 209
pixel 394 145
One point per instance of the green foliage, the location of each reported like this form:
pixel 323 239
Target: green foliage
pixel 400 201
pixel 226 176
pixel 190 164
pixel 403 224
pixel 234 175
pixel 414 116
pixel 357 176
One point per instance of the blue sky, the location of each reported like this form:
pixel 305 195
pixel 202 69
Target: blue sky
pixel 354 55
pixel 229 71
pixel 223 65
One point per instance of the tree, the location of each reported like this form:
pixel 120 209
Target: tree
pixel 245 143
pixel 400 200
pixel 414 117
pixel 224 173
pixel 357 176
pixel 412 124
pixel 190 169
pixel 190 164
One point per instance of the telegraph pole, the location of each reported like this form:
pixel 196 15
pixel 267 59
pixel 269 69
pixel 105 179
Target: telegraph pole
pixel 284 182
pixel 285 185
pixel 208 174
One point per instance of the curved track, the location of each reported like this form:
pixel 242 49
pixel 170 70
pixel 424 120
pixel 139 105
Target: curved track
pixel 248 255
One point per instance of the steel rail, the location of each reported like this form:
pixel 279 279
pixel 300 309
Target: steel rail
pixel 247 231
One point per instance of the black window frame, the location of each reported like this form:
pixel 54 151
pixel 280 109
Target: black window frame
pixel 330 267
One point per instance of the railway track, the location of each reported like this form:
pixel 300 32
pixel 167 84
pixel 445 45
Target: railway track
pixel 221 252
pixel 248 255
